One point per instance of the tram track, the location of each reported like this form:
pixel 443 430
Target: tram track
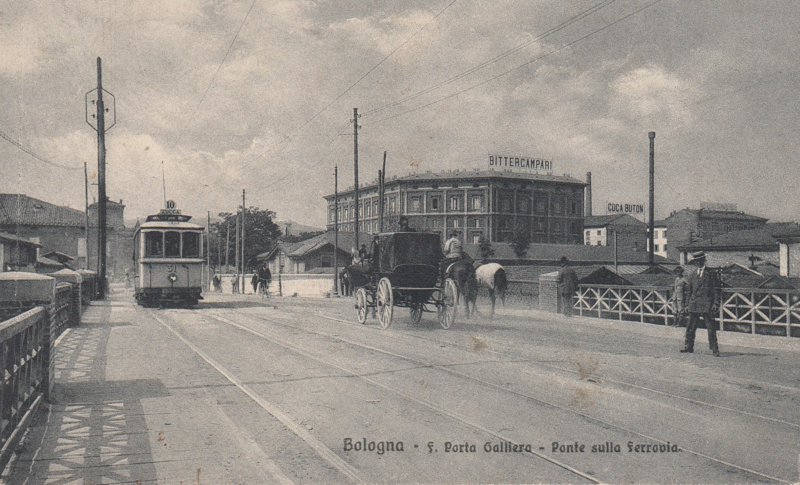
pixel 492 385
pixel 617 382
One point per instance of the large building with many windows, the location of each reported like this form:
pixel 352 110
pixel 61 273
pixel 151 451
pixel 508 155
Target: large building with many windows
pixel 490 204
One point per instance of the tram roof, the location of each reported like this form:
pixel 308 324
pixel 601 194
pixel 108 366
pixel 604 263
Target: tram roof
pixel 170 225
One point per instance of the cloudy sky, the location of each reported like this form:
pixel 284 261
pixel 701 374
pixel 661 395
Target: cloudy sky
pixel 258 95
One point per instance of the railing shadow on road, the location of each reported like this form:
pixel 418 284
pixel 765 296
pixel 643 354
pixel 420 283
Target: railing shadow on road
pixel 92 430
pixel 94 433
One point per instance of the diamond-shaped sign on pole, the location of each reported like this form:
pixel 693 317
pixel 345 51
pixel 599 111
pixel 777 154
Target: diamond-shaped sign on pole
pixel 109 103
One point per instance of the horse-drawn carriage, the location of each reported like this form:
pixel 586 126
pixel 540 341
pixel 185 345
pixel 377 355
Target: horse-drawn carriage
pixel 403 270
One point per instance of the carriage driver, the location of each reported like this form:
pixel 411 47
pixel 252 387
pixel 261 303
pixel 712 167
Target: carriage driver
pixel 452 247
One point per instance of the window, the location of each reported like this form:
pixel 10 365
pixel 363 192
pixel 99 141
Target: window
pixel 588 233
pixel 599 243
pixel 367 209
pixel 655 248
pixel 476 239
pixel 598 232
pixel 191 244
pixel 416 204
pixel 456 223
pixel 436 222
pixel 664 248
pixel 455 203
pixel 172 244
pixel 435 203
pixel 392 205
pixel 477 202
pixel 153 244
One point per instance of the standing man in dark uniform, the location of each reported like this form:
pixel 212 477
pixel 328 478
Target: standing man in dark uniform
pixel 567 284
pixel 703 288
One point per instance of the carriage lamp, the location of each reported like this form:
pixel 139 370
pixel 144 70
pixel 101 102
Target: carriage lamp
pixel 172 277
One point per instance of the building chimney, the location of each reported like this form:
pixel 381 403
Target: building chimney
pixel 588 194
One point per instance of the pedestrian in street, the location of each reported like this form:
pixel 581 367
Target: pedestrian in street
pixel 235 284
pixel 567 284
pixel 704 290
pixel 217 283
pixel 679 296
pixel 254 283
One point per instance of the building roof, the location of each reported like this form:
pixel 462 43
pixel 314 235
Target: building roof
pixel 715 214
pixel 579 254
pixel 6 237
pixel 308 246
pixel 28 211
pixel 611 219
pixel 470 175
pixel 763 238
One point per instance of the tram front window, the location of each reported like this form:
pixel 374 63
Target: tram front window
pixel 191 245
pixel 153 244
pixel 172 244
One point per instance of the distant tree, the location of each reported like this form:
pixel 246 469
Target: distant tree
pixel 520 243
pixel 260 235
pixel 485 248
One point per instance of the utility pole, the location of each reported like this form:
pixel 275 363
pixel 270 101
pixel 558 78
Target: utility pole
pixel 86 214
pixel 208 251
pixel 244 209
pixel 650 240
pixel 98 122
pixel 355 171
pixel 336 230
pixel 228 246
pixel 238 223
pixel 381 193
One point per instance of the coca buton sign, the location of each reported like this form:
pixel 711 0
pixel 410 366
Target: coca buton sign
pixel 501 162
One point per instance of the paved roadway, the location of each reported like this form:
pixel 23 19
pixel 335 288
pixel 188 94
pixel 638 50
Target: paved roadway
pixel 293 390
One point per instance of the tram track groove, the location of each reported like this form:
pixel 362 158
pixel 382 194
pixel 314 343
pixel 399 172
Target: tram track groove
pixel 451 414
pixel 605 379
pixel 494 386
pixel 320 448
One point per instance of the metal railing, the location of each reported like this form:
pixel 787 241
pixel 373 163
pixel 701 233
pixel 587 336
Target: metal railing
pixel 62 309
pixel 756 311
pixel 24 347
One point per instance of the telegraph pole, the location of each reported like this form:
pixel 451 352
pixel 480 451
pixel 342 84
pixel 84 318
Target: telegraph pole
pixel 86 213
pixel 336 230
pixel 651 239
pixel 98 122
pixel 243 260
pixel 381 192
pixel 355 171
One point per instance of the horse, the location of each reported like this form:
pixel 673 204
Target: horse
pixel 463 273
pixel 492 276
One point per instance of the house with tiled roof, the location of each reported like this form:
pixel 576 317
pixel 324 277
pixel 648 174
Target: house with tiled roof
pixel 691 225
pixel 626 230
pixel 314 255
pixel 750 248
pixel 63 230
pixel 17 253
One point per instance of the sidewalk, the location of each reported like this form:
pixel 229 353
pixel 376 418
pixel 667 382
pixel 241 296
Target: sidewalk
pixel 727 339
pixel 131 405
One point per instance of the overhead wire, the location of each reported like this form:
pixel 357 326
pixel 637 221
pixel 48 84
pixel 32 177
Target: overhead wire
pixel 517 48
pixel 34 155
pixel 504 73
pixel 214 77
pixel 374 67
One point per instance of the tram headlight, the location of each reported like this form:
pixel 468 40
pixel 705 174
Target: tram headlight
pixel 172 277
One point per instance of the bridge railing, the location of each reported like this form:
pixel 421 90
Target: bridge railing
pixel 24 352
pixel 750 310
pixel 34 311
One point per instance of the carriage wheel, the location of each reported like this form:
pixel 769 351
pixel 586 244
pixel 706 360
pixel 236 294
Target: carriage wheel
pixel 361 305
pixel 447 306
pixel 385 302
pixel 416 312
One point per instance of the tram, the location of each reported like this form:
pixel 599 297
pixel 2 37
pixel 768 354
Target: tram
pixel 168 259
